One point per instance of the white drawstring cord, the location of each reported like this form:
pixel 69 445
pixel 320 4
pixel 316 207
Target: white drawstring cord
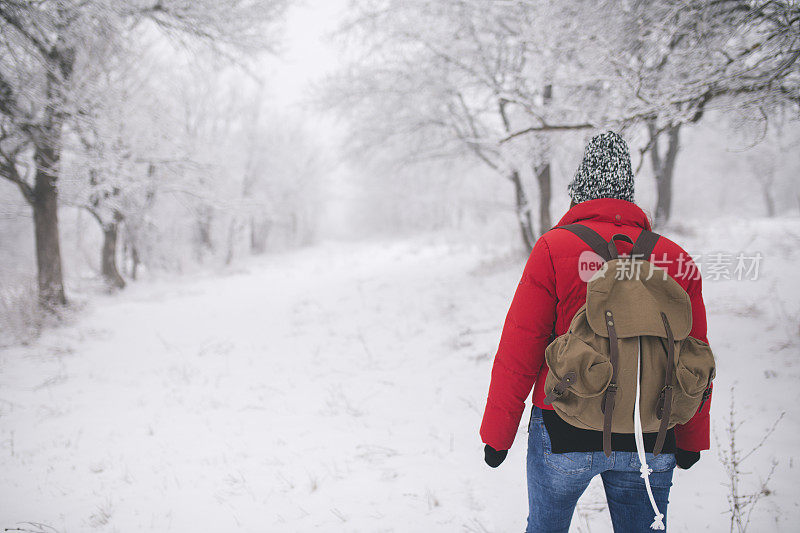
pixel 658 520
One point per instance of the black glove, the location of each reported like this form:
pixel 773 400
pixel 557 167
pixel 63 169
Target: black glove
pixel 494 457
pixel 686 459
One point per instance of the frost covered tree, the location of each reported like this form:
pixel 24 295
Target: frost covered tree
pixel 500 80
pixel 249 176
pixel 117 151
pixel 276 192
pixel 282 182
pixel 447 78
pixel 686 56
pixel 664 62
pixel 46 69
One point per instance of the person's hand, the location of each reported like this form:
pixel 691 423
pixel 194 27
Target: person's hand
pixel 494 457
pixel 686 459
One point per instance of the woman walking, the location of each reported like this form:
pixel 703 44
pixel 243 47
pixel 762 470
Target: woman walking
pixel 562 458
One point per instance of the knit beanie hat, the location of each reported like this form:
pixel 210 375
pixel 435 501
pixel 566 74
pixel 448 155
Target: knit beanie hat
pixel 605 171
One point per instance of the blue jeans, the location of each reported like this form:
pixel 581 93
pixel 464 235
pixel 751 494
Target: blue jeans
pixel 557 480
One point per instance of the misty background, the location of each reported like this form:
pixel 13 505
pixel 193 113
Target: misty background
pixel 303 222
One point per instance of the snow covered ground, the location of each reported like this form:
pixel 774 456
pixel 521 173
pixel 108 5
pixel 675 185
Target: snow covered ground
pixel 341 387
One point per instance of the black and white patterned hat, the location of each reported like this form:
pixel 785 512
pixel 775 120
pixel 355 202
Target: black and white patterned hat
pixel 605 171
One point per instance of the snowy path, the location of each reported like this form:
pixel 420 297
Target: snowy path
pixel 338 388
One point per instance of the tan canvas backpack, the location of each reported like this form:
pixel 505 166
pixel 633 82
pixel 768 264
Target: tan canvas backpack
pixel 629 341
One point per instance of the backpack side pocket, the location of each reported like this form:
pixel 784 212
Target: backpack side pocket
pixel 695 369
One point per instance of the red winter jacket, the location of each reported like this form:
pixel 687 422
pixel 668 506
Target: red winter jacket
pixel 547 298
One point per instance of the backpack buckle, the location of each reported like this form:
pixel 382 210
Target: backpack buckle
pixel 611 391
pixel 560 388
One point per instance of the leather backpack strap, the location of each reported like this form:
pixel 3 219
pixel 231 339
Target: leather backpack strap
pixel 664 407
pixel 597 243
pixel 644 245
pixel 611 392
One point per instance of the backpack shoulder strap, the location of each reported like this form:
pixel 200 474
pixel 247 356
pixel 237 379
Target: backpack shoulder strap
pixel 597 243
pixel 644 245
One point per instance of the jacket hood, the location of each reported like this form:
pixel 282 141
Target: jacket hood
pixel 612 210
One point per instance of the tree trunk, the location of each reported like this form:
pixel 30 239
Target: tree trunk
pixel 259 232
pixel 135 262
pixel 667 173
pixel 232 233
pixel 205 242
pixel 543 172
pixel 45 222
pixel 523 209
pixel 44 200
pixel 545 192
pixel 523 206
pixel 133 231
pixel 766 181
pixel 663 170
pixel 130 255
pixel 769 201
pixel 108 258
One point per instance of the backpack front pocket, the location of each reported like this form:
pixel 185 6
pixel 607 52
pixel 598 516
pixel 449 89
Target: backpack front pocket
pixel 569 356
